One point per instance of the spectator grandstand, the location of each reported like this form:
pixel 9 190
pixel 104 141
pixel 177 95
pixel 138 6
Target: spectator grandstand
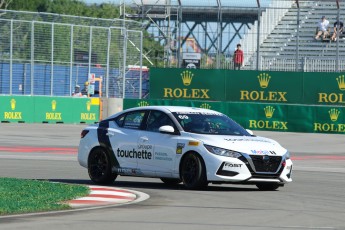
pixel 287 48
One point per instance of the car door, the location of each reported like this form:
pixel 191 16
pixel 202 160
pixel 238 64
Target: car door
pixel 123 136
pixel 160 148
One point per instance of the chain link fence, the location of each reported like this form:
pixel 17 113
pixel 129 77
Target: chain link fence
pixel 47 54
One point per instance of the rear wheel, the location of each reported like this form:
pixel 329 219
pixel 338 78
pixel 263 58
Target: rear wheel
pixel 99 167
pixel 268 186
pixel 193 172
pixel 171 181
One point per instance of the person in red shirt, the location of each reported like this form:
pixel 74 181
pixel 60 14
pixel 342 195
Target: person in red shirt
pixel 238 57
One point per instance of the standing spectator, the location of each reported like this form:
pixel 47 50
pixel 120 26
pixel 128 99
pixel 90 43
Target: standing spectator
pixel 337 24
pixel 322 28
pixel 238 57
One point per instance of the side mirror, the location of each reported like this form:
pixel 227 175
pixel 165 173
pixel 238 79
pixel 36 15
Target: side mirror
pixel 166 129
pixel 250 132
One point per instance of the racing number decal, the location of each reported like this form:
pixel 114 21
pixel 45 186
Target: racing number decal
pixel 183 117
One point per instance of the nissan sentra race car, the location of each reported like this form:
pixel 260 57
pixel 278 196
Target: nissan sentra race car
pixel 177 144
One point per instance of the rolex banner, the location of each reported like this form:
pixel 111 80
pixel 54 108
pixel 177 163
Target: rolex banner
pixel 248 86
pixel 267 116
pixel 187 84
pixel 39 109
pixel 267 87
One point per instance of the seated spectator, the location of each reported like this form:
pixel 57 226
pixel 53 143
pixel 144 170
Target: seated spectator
pixel 337 24
pixel 322 28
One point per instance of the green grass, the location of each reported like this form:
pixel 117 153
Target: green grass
pixel 26 196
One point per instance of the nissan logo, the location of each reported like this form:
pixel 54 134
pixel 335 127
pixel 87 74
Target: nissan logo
pixel 266 158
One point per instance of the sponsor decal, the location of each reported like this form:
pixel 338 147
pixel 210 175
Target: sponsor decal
pixel 334 97
pixel 199 113
pixel 162 156
pixel 146 147
pixel 179 148
pixel 263 95
pixel 268 124
pixel 143 154
pixel 256 140
pixel 231 166
pixel 186 92
pixel 263 152
pixel 53 115
pixel 332 126
pixel 12 115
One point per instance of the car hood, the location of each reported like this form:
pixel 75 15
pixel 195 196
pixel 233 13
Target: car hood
pixel 253 145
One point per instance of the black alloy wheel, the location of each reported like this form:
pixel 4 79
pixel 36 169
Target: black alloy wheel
pixel 193 172
pixel 99 167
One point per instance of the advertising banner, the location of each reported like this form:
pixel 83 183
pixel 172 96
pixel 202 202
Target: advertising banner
pixel 16 109
pixel 248 86
pixel 187 84
pixel 40 109
pixel 324 88
pixel 266 87
pixel 66 110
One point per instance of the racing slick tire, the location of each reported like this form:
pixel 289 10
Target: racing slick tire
pixel 99 167
pixel 171 181
pixel 268 186
pixel 193 172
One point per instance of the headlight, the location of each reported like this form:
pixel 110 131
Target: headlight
pixel 222 152
pixel 287 155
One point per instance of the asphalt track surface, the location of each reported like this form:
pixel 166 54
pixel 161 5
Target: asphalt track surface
pixel 314 200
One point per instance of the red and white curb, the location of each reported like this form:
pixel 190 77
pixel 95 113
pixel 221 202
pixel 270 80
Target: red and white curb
pixel 100 196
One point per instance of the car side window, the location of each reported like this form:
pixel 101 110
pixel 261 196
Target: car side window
pixel 158 119
pixel 131 120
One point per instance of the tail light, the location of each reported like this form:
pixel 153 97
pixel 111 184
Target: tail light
pixel 83 133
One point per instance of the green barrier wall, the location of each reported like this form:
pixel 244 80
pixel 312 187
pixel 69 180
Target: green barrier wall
pixel 268 116
pixel 30 109
pixel 248 86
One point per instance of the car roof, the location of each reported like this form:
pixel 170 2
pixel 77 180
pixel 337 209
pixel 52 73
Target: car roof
pixel 167 109
pixel 172 109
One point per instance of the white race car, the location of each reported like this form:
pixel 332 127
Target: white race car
pixel 181 144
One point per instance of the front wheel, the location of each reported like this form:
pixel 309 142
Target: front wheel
pixel 268 186
pixel 99 167
pixel 193 172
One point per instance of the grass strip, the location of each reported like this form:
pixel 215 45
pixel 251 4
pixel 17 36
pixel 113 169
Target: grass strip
pixel 26 196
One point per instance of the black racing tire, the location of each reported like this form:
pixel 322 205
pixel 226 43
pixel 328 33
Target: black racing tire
pixel 99 167
pixel 193 172
pixel 171 181
pixel 268 186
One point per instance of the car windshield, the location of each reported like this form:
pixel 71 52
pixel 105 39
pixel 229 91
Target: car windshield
pixel 209 123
